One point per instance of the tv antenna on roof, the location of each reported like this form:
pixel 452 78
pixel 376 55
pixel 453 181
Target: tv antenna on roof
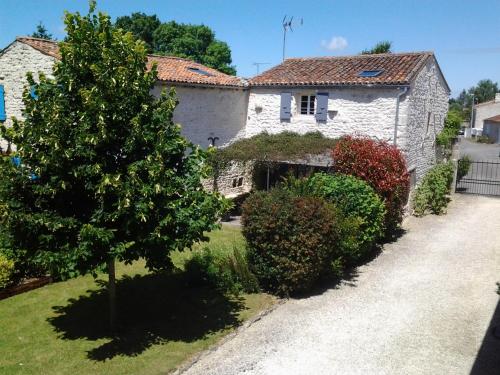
pixel 258 64
pixel 287 25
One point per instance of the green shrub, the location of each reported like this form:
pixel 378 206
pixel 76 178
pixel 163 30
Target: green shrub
pixel 463 167
pixel 225 270
pixel 356 200
pixel 445 138
pixel 6 271
pixel 432 194
pixel 382 166
pixel 292 241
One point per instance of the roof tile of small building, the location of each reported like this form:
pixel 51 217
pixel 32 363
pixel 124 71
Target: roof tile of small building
pixel 493 119
pixel 170 69
pixel 396 69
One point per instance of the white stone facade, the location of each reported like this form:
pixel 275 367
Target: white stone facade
pixel 15 62
pixel 426 112
pixel 363 111
pixel 209 112
pixel 202 112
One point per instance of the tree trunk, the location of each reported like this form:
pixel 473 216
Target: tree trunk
pixel 112 293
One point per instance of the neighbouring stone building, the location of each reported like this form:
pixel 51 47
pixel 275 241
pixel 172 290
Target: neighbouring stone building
pixel 400 97
pixel 487 119
pixel 211 103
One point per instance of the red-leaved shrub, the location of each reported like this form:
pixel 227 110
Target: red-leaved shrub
pixel 380 164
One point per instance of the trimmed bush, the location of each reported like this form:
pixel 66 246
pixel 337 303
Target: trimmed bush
pixel 382 166
pixel 432 194
pixel 355 200
pixel 225 270
pixel 292 241
pixel 6 271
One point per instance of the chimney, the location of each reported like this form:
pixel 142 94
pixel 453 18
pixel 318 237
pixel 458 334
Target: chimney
pixel 497 97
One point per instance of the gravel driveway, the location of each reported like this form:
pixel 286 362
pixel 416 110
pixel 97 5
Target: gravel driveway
pixel 479 151
pixel 422 307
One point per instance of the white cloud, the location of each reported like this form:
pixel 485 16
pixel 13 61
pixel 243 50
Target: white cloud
pixel 336 43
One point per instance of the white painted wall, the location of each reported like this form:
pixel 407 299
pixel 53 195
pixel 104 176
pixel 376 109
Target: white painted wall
pixel 364 111
pixel 210 112
pixel 428 95
pixel 15 62
pixel 486 110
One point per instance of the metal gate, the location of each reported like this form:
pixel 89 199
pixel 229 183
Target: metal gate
pixel 478 177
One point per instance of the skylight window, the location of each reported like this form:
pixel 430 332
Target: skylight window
pixel 370 73
pixel 200 71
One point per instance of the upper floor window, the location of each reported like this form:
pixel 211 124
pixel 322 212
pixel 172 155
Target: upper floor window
pixel 307 104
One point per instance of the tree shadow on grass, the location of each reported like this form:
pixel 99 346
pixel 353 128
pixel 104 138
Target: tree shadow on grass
pixel 152 309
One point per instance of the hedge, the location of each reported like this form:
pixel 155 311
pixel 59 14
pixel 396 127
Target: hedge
pixel 291 241
pixel 432 195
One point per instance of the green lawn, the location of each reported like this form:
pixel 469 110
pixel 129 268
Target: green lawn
pixel 62 328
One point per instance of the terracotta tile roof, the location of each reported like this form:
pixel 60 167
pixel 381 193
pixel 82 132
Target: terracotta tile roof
pixel 179 70
pixel 47 47
pixel 170 69
pixel 397 69
pixel 493 119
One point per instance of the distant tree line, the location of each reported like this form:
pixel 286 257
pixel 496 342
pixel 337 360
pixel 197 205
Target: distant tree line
pixel 484 91
pixel 196 42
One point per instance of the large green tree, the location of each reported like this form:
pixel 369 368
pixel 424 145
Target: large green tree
pixel 381 47
pixel 105 174
pixel 196 42
pixel 484 91
pixel 141 26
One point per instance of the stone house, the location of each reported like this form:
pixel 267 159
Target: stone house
pixel 211 103
pixel 400 97
pixel 487 119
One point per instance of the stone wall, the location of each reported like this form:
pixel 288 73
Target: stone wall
pixel 15 62
pixel 364 111
pixel 428 105
pixel 209 112
pixel 236 180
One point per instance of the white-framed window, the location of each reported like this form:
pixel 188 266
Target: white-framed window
pixel 307 104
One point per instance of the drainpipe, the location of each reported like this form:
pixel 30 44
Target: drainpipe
pixel 398 99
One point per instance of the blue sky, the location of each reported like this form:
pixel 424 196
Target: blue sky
pixel 465 35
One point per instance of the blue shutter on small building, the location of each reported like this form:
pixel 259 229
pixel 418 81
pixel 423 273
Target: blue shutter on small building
pixel 2 104
pixel 286 106
pixel 33 92
pixel 321 106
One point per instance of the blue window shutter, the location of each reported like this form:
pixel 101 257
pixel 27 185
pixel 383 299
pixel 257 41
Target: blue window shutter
pixel 33 92
pixel 286 106
pixel 321 106
pixel 2 104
